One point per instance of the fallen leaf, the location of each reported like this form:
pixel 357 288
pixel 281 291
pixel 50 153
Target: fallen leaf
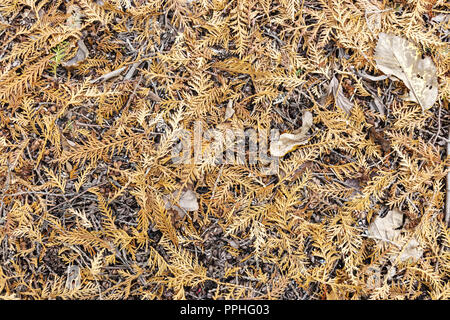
pixel 289 141
pixel 379 138
pixel 80 56
pixel 187 202
pixel 73 280
pixel 373 13
pixel 109 75
pixel 229 110
pixel 374 279
pixel 339 98
pixel 379 105
pixel 153 96
pixel 441 18
pixel 387 228
pixel 411 251
pixel 397 57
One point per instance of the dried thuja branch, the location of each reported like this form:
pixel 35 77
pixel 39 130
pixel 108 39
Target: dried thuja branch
pixel 447 203
pixel 138 150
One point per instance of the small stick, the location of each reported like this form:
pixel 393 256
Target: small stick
pixel 131 97
pixel 109 75
pixel 447 202
pixel 132 70
pixel 435 134
pixel 75 197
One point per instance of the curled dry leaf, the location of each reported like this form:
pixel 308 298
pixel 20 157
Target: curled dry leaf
pixel 80 56
pixel 397 57
pixel 289 141
pixel 229 110
pixel 388 229
pixel 73 278
pixel 153 96
pixel 187 202
pixel 412 251
pixel 340 99
pixel 109 75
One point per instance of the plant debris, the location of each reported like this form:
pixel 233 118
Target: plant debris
pixel 187 202
pixel 340 99
pixel 226 149
pixel 81 55
pixel 397 57
pixel 389 229
pixel 229 111
pixel 289 141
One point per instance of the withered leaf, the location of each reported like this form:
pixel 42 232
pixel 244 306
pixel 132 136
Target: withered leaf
pixel 373 13
pixel 187 202
pixel 153 96
pixel 339 98
pixel 74 20
pixel 379 138
pixel 387 228
pixel 229 110
pixel 411 251
pixel 288 141
pixel 73 280
pixel 80 56
pixel 397 57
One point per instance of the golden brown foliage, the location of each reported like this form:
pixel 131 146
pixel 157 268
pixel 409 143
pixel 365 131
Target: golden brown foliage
pixel 86 150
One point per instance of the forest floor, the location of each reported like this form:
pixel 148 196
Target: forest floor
pixel 216 149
